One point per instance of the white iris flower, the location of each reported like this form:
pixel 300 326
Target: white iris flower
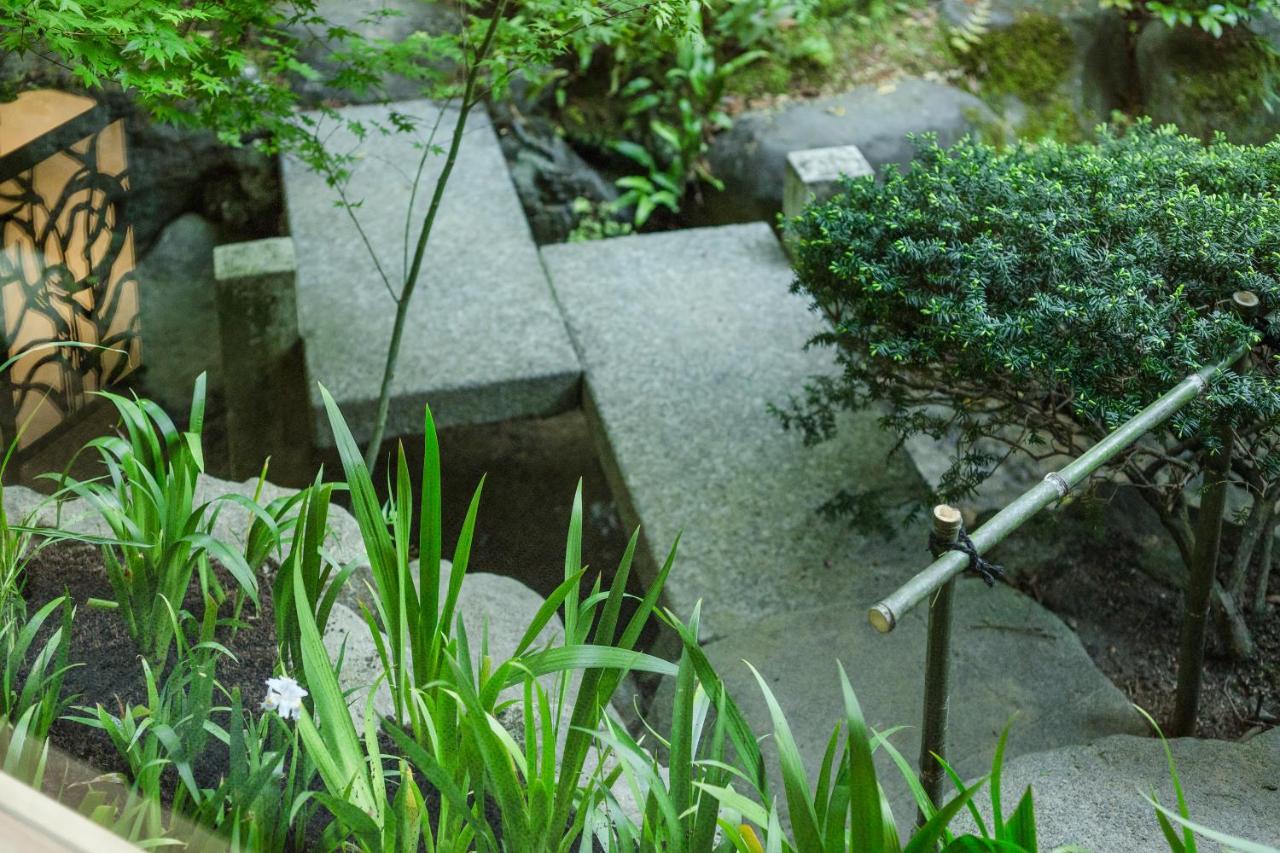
pixel 284 696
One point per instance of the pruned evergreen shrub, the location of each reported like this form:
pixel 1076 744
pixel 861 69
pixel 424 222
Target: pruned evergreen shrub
pixel 1041 296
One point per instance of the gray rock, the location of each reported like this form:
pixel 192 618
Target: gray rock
pixel 1016 473
pixel 687 337
pixel 392 21
pixel 179 319
pixel 344 543
pixel 1204 85
pixel 1093 794
pixel 751 157
pixel 485 341
pixel 1010 656
pixel 347 639
pixel 491 606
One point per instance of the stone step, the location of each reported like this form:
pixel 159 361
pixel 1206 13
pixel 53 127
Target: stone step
pixel 686 338
pixel 1093 794
pixel 484 340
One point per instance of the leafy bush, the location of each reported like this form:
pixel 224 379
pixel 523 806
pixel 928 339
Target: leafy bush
pixel 1036 299
pixel 1211 16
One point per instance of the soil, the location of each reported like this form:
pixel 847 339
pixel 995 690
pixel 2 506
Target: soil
pixel 112 673
pixel 1129 624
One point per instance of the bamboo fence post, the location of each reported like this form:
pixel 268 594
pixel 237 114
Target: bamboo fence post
pixel 937 663
pixel 1204 559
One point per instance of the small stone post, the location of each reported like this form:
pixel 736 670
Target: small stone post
pixel 263 366
pixel 814 175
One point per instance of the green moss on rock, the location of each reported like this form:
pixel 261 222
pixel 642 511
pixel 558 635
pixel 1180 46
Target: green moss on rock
pixel 1030 61
pixel 1206 85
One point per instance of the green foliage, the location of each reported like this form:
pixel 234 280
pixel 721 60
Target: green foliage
pixel 31 687
pixel 162 534
pixel 1038 298
pixel 447 697
pixel 680 116
pixel 1211 16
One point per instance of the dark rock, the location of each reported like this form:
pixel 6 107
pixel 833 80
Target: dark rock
pixel 549 175
pixel 178 316
pixel 1054 67
pixel 751 157
pixel 1203 84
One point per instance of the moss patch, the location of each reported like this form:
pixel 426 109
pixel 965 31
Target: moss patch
pixel 1030 61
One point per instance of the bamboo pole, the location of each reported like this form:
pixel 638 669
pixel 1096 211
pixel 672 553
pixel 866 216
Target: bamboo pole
pixel 1204 560
pixel 937 665
pixel 886 613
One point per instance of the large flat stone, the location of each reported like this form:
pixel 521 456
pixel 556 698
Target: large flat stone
pixel 484 339
pixel 1092 795
pixel 687 338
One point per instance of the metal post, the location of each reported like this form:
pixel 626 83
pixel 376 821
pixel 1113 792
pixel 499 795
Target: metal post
pixel 937 664
pixel 1204 561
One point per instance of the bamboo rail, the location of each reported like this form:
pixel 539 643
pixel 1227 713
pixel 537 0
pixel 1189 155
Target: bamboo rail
pixel 938 579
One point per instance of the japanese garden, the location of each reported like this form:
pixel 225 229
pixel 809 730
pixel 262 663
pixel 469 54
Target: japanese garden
pixel 669 425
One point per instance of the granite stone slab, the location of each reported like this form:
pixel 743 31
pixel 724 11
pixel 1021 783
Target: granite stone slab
pixel 484 340
pixel 687 338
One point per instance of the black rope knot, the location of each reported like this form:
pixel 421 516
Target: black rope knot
pixel 984 568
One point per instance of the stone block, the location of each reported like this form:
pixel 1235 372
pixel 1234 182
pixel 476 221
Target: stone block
pixel 484 340
pixel 263 366
pixel 813 175
pixel 687 338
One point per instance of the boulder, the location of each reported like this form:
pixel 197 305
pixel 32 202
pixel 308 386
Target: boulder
pixel 1204 85
pixel 178 316
pixel 392 21
pixel 751 157
pixel 1092 795
pixel 1056 67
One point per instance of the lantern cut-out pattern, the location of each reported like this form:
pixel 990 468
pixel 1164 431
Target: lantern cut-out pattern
pixel 66 261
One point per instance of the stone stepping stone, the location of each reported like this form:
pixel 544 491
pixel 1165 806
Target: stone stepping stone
pixel 1092 795
pixel 686 338
pixel 484 340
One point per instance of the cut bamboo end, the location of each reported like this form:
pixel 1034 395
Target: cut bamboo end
pixel 946 522
pixel 881 618
pixel 1246 303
